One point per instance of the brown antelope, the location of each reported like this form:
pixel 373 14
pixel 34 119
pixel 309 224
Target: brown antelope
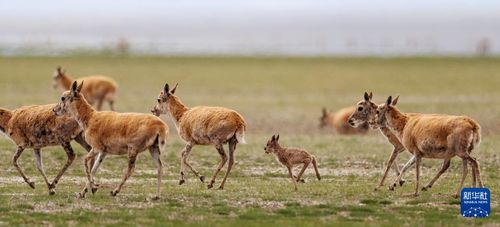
pixel 113 133
pixel 290 157
pixel 97 88
pixel 38 127
pixel 434 136
pixel 338 121
pixel 365 113
pixel 203 125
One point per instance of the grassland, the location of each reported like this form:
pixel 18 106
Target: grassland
pixel 274 95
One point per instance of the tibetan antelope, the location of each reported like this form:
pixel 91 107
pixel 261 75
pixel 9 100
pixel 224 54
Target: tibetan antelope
pixel 203 125
pixel 38 127
pixel 114 133
pixel 434 136
pixel 97 90
pixel 365 113
pixel 290 157
pixel 338 120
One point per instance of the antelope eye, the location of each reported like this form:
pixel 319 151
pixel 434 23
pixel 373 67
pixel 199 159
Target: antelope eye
pixel 378 112
pixel 62 99
pixel 159 100
pixel 360 108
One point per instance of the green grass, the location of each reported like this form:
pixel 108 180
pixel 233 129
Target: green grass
pixel 275 95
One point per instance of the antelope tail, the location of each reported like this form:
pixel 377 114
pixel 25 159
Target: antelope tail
pixel 240 135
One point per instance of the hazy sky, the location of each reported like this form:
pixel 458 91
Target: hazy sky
pixel 257 26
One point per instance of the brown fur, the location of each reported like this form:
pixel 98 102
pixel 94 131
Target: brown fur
pixel 365 113
pixel 114 133
pixel 203 125
pixel 434 136
pixel 97 88
pixel 291 157
pixel 38 127
pixel 339 120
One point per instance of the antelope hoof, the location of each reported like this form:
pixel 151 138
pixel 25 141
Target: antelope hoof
pixel 114 192
pixel 202 178
pixel 455 196
pixel 391 188
pixel 182 182
pixel 401 182
pixel 415 194
pixel 52 185
pixel 31 184
pixel 155 198
pixel 81 195
pixel 52 191
pixel 210 186
pixel 221 187
pixel 301 180
pixel 426 188
pixel 94 189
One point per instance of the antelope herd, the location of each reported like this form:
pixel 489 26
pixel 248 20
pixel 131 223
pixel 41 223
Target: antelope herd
pixel 434 136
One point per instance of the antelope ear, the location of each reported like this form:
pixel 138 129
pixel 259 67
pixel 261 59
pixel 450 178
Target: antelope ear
pixel 395 101
pixel 173 90
pixel 323 111
pixel 389 100
pixel 277 137
pixel 367 97
pixel 59 70
pixel 165 89
pixel 273 138
pixel 74 87
pixel 79 88
pixel 371 95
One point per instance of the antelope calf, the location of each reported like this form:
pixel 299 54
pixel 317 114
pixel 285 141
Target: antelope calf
pixel 203 125
pixel 113 133
pixel 434 136
pixel 365 113
pixel 98 89
pixel 291 157
pixel 339 120
pixel 38 127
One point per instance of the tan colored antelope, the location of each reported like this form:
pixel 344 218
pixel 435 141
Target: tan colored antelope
pixel 338 120
pixel 38 127
pixel 203 125
pixel 98 89
pixel 290 157
pixel 434 136
pixel 365 113
pixel 114 133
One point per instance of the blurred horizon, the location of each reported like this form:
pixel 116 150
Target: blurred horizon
pixel 289 28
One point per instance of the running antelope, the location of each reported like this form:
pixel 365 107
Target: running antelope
pixel 338 120
pixel 365 113
pixel 434 136
pixel 38 127
pixel 114 133
pixel 203 125
pixel 290 157
pixel 98 89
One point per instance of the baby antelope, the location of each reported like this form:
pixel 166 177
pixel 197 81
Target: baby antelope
pixel 291 157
